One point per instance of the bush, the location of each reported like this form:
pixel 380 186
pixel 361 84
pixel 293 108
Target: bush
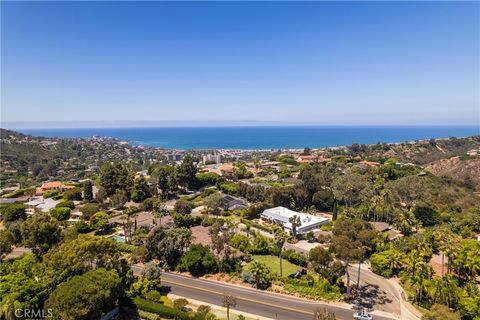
pixel 319 289
pixel 198 260
pixel 240 242
pixel 228 187
pixel 294 257
pixel 153 296
pixel 66 204
pixel 247 276
pixel 160 309
pixel 51 194
pixel 88 211
pixel 60 213
pixel 186 220
pixel 183 207
pixel 19 192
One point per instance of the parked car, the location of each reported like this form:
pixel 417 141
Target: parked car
pixel 362 316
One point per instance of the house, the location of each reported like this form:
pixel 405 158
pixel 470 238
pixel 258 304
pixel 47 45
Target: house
pixel 53 185
pixel 232 203
pixel 281 215
pixel 386 228
pixel 41 204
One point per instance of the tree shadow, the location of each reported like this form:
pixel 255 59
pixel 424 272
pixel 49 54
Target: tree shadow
pixel 368 296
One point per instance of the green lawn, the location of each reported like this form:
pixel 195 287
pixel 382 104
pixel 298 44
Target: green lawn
pixel 273 263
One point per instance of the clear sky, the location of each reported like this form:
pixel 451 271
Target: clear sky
pixel 308 62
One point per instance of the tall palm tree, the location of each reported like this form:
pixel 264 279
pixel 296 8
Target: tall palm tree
pixel 280 238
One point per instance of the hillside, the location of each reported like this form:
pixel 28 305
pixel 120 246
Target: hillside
pixel 419 152
pixel 462 169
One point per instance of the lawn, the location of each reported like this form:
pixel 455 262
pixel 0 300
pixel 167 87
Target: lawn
pixel 273 263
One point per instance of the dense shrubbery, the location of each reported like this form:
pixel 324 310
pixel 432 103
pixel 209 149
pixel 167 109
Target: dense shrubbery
pixel 315 289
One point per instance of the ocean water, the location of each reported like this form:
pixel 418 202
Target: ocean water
pixel 266 137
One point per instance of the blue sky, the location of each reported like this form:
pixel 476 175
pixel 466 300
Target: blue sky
pixel 305 62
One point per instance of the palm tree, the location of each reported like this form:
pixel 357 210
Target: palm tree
pixel 280 238
pixel 405 222
pixel 296 222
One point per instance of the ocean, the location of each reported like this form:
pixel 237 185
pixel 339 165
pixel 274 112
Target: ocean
pixel 265 137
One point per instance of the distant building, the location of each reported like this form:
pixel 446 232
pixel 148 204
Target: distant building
pixel 281 215
pixel 53 185
pixel 233 203
pixel 211 158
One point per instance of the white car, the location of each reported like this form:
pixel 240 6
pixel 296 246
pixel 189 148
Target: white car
pixel 362 316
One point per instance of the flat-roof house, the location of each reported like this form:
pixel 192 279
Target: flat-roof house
pixel 282 215
pixel 233 203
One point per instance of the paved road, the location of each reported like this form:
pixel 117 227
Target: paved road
pixel 376 289
pixel 385 296
pixel 253 301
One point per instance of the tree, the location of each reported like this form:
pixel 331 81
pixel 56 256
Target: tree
pixel 405 221
pixel 321 259
pixel 88 211
pixel 261 273
pixel 41 232
pixel 352 240
pixel 73 194
pixel 99 221
pixel 466 262
pixel 426 215
pixel 229 301
pixel 168 245
pixel 158 210
pixel 119 199
pixel 165 179
pixel 296 222
pixel 186 220
pixel 88 190
pixel 280 238
pixel 13 212
pixel 408 190
pixel 213 203
pixel 186 172
pixel 149 280
pixel 115 177
pixel 61 213
pixel 101 195
pixel 84 254
pixel 141 189
pixel 183 207
pixel 6 242
pixel 198 260
pixel 388 263
pixel 85 296
pixel 350 188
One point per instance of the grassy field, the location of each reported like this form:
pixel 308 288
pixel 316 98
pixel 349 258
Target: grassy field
pixel 273 263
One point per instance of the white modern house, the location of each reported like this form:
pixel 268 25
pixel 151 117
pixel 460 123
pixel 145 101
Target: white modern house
pixel 281 215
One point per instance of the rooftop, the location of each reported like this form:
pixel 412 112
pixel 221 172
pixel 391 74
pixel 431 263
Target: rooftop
pixel 283 214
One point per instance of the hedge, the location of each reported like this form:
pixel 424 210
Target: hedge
pixel 19 192
pixel 160 309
